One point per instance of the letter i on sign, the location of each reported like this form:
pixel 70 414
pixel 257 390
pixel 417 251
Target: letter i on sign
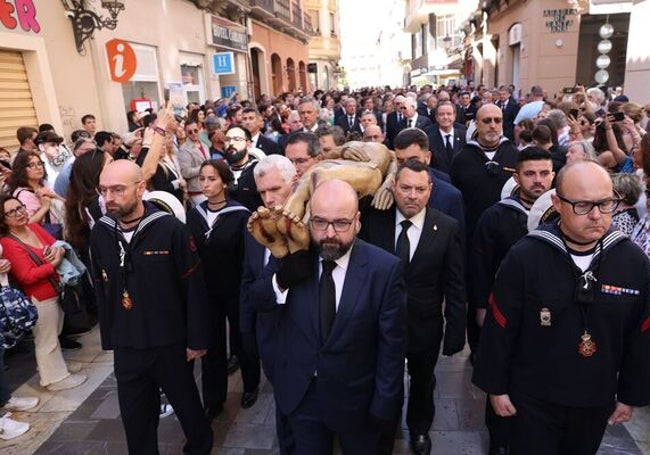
pixel 122 61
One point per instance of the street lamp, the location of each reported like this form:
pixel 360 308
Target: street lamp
pixel 85 21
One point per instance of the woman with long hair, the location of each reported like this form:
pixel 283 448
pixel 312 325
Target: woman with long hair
pixel 34 259
pixel 83 205
pixel 218 226
pixel 29 185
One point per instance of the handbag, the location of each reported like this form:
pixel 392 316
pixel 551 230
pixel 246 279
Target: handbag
pixel 18 315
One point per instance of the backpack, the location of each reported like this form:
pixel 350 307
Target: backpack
pixel 18 316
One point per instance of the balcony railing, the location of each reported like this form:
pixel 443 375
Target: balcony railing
pixel 296 18
pixel 282 10
pixel 266 5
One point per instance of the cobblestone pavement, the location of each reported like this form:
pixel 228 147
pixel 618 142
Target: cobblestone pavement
pixel 86 420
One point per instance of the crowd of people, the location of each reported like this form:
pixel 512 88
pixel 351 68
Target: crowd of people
pixel 340 240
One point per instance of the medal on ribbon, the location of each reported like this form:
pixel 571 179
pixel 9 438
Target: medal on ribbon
pixel 127 303
pixel 587 347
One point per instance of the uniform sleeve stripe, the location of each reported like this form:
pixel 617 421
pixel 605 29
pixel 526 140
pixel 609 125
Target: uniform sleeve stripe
pixel 496 312
pixel 646 324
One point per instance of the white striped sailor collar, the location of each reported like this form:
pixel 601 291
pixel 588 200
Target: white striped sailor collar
pixel 151 214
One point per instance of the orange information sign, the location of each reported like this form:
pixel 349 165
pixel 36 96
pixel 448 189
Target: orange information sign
pixel 122 61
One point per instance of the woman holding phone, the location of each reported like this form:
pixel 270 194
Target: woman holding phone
pixel 34 259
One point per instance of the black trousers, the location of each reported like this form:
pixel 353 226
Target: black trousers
pixel 421 409
pixel 140 373
pixel 249 361
pixel 214 364
pixel 542 428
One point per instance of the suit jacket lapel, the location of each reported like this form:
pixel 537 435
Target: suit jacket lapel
pixel 427 236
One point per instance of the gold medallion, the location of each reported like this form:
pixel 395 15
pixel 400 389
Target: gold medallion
pixel 587 347
pixel 127 303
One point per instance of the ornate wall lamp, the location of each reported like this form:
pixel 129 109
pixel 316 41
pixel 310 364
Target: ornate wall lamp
pixel 86 21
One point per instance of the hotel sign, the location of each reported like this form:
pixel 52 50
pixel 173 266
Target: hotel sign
pixel 228 35
pixel 557 20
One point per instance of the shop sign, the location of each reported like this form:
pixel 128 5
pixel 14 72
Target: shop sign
pixel 227 91
pixel 19 12
pixel 229 35
pixel 557 20
pixel 223 63
pixel 122 61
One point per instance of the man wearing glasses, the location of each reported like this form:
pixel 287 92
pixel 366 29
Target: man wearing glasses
pixel 153 310
pixel 242 163
pixel 566 339
pixel 341 336
pixel 479 171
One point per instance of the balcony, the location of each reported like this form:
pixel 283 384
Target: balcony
pixel 262 9
pixel 296 17
pixel 285 16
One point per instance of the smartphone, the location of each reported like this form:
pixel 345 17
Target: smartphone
pixel 617 117
pixel 569 90
pixel 573 113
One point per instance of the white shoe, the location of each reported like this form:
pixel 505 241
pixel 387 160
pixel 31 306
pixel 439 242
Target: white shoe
pixel 21 403
pixel 166 410
pixel 74 367
pixel 69 382
pixel 10 429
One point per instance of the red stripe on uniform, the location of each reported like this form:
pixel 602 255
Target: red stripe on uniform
pixel 496 312
pixel 646 324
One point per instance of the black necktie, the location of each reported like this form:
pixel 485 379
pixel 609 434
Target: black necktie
pixel 399 117
pixel 448 147
pixel 326 299
pixel 409 123
pixel 351 121
pixel 403 247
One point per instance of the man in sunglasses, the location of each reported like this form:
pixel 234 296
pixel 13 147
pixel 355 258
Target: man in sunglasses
pixel 566 338
pixel 191 155
pixel 479 171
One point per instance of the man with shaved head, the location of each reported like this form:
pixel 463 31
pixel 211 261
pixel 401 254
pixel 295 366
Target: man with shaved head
pixel 564 350
pixel 479 171
pixel 153 310
pixel 341 336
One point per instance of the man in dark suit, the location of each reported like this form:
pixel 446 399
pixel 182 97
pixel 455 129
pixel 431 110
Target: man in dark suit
pixel 465 110
pixel 341 335
pixel 445 140
pixel 350 120
pixel 412 119
pixel 429 244
pixel 393 120
pixel 253 121
pixel 510 109
pixel 414 144
pixel 275 177
pixel 368 104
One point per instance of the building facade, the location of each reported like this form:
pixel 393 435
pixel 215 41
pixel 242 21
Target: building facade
pixel 325 45
pixel 62 59
pixel 556 44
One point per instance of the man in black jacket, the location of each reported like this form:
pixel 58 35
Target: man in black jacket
pixel 153 310
pixel 565 346
pixel 429 244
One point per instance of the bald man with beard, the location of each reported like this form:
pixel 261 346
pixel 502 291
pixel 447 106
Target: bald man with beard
pixel 153 310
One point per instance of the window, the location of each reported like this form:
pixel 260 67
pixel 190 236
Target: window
pixel 446 26
pixel 315 19
pixel 333 24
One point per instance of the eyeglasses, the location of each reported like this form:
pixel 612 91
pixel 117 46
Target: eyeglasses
pixel 195 131
pixel 15 211
pixel 488 120
pixel 35 165
pixel 117 190
pixel 320 224
pixel 605 206
pixel 300 160
pixel 402 108
pixel 226 140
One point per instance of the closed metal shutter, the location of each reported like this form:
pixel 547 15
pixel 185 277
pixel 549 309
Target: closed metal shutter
pixel 16 104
